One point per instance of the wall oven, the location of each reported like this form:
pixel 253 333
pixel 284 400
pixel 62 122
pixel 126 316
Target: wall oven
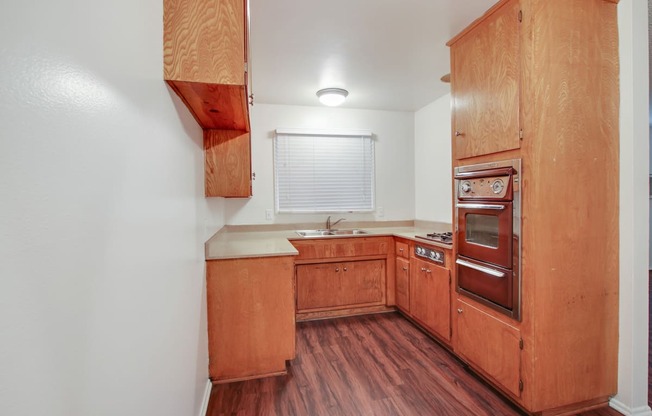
pixel 488 201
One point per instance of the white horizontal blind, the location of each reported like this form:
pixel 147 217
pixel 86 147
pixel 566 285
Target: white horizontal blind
pixel 318 171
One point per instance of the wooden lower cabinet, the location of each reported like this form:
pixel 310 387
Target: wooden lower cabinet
pixel 403 284
pixel 251 322
pixel 430 296
pixel 490 346
pixel 325 286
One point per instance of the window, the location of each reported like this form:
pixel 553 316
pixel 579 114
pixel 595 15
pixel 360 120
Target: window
pixel 323 171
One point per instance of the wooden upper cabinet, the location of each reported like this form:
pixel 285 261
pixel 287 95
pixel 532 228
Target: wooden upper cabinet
pixel 204 55
pixel 485 73
pixel 227 163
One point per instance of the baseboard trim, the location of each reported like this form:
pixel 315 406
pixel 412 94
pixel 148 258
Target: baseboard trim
pixel 207 395
pixel 626 410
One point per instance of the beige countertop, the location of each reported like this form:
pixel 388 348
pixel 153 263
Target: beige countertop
pixel 273 241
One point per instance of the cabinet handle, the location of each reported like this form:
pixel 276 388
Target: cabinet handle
pixel 405 269
pixel 459 310
pixel 337 269
pixel 400 249
pixel 428 271
pixel 458 134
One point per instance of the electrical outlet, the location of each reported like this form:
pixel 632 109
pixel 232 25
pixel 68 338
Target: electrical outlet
pixel 269 215
pixel 380 211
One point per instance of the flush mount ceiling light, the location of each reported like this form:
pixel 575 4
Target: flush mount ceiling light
pixel 332 97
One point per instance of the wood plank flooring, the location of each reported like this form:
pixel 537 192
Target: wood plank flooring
pixel 366 365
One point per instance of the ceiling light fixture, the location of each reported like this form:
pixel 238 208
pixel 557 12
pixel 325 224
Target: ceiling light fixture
pixel 332 97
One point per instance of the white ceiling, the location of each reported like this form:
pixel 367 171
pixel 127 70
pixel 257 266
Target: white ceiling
pixel 389 54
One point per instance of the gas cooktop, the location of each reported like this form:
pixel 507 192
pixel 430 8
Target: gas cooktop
pixel 446 238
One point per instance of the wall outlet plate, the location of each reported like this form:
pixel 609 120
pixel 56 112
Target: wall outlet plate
pixel 269 214
pixel 380 211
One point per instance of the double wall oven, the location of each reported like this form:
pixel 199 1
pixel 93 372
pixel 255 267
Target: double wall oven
pixel 488 207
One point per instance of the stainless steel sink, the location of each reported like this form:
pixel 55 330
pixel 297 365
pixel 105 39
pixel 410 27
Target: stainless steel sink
pixel 326 233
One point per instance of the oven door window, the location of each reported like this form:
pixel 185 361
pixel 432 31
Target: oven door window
pixel 482 230
pixel 485 233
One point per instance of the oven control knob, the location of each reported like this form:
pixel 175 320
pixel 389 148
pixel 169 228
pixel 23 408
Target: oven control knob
pixel 466 186
pixel 497 186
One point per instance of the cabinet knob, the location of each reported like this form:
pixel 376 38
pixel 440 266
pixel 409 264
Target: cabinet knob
pixel 423 269
pixel 428 271
pixel 405 269
pixel 459 310
pixel 458 134
pixel 337 269
pixel 400 249
pixel 345 269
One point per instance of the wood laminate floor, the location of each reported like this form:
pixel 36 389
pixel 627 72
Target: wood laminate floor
pixel 366 365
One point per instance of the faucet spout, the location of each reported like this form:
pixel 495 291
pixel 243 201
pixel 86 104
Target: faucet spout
pixel 337 222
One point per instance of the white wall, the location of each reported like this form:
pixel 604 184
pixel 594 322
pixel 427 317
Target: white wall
pixel 394 149
pixel 101 216
pixel 432 161
pixel 634 171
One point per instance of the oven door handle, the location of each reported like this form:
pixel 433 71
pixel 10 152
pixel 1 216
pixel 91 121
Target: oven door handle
pixel 482 206
pixel 479 268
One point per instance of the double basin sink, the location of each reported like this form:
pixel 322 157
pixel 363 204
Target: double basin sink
pixel 326 233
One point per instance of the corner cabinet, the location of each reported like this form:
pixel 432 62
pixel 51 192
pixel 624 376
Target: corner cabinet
pixel 205 63
pixel 537 80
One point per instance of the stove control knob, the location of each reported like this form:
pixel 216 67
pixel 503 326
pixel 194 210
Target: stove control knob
pixel 465 186
pixel 497 186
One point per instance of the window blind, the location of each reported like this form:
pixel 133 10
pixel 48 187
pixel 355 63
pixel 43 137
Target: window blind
pixel 323 171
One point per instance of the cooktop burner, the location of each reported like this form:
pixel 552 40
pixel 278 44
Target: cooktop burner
pixel 446 238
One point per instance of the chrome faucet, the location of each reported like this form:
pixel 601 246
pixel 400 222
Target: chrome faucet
pixel 329 225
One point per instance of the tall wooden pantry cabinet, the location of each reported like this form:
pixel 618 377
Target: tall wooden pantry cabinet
pixel 537 80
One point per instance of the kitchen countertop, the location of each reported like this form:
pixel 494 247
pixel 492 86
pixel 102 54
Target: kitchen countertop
pixel 264 241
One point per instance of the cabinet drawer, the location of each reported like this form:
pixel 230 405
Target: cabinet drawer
pixel 339 248
pixel 340 285
pixel 402 249
pixel 490 345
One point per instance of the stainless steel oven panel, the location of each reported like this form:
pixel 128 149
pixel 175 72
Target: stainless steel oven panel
pixel 516 218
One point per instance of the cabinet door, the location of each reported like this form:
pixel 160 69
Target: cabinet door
pixel 340 285
pixel 403 284
pixel 204 41
pixel 250 308
pixel 227 163
pixel 430 296
pixel 490 345
pixel 485 73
